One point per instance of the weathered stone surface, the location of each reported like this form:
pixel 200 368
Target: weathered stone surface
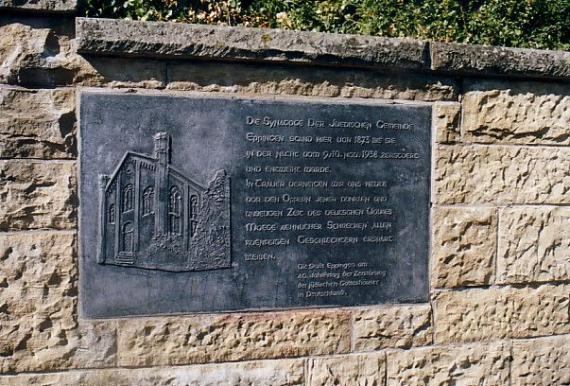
pixel 38 298
pixel 464 246
pixel 127 73
pixel 96 344
pixel 121 37
pixel 37 123
pixel 534 245
pixel 394 326
pixel 37 195
pixel 40 267
pixel 541 362
pixel 41 5
pixel 274 373
pixel 502 175
pixel 250 78
pixel 490 60
pixel 446 120
pixel 40 54
pixel 49 344
pixel 484 314
pixel 504 116
pixel 185 340
pixel 38 326
pixel 359 369
pixel 449 366
pixel 156 39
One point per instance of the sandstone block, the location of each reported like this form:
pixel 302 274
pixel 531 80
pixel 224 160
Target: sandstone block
pixel 502 175
pixel 37 195
pixel 503 116
pixel 464 246
pixel 496 313
pixel 393 326
pixel 96 345
pixel 190 41
pixel 358 369
pixel 247 78
pixel 38 301
pixel 50 345
pixel 534 245
pixel 274 373
pixel 41 54
pixel 39 267
pixel 446 120
pixel 448 366
pixel 127 73
pixel 185 340
pixel 541 362
pixel 37 123
pixel 492 60
pixel 66 6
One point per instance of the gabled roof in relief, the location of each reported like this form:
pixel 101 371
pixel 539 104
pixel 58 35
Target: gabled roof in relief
pixel 144 157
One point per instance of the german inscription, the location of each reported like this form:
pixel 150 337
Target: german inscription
pixel 198 203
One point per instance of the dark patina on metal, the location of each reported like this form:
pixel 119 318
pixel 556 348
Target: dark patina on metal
pixel 197 203
pixel 153 216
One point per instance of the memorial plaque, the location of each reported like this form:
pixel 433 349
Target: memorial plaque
pixel 198 203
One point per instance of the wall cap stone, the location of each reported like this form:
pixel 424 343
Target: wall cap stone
pixel 469 59
pixel 110 37
pixel 195 41
pixel 40 6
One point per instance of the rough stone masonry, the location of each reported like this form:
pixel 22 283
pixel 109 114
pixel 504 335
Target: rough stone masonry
pixel 499 303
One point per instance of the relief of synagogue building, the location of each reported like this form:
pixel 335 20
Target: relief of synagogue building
pixel 153 216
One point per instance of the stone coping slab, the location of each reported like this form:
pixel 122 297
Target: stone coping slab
pixel 468 59
pixel 193 41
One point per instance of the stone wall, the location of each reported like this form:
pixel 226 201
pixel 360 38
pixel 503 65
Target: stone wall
pixel 499 310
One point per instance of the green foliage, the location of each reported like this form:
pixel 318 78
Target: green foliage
pixel 515 23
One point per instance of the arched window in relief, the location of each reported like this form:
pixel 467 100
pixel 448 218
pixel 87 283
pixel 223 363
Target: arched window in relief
pixel 193 214
pixel 174 211
pixel 112 214
pixel 127 198
pixel 127 237
pixel 148 201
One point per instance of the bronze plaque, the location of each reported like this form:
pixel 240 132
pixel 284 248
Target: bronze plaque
pixel 198 203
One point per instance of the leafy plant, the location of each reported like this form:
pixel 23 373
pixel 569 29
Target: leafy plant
pixel 516 23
